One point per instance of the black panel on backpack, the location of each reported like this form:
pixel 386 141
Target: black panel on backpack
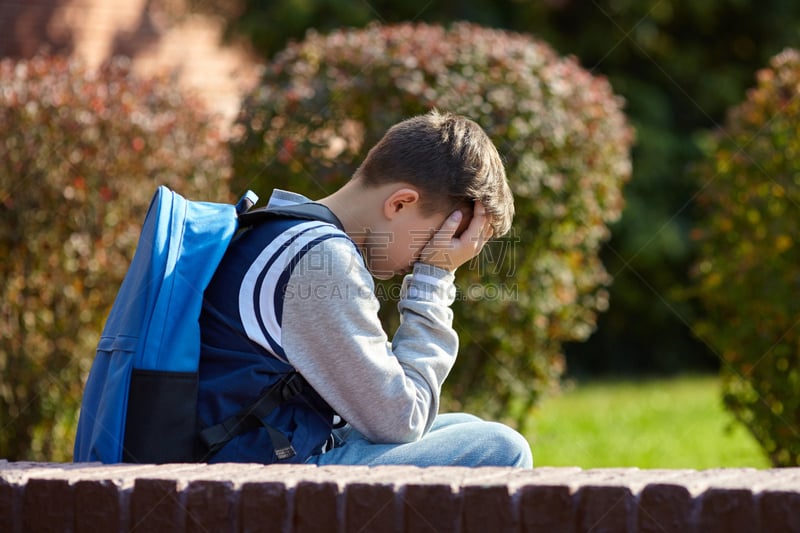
pixel 160 426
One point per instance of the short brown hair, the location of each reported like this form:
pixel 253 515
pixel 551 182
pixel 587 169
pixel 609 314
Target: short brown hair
pixel 450 159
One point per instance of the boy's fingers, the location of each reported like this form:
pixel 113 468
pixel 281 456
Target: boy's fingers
pixel 455 217
pixel 477 225
pixel 448 251
pixel 451 224
pixel 485 234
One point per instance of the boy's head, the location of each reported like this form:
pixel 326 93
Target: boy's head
pixel 449 160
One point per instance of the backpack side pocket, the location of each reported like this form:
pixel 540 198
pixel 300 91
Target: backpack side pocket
pixel 161 426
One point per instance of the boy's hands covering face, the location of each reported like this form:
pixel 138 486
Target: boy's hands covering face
pixel 448 249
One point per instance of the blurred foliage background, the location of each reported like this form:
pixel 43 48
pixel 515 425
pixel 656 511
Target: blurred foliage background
pixel 92 149
pixel 748 270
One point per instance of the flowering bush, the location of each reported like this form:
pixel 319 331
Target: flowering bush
pixel 325 101
pixel 82 153
pixel 747 275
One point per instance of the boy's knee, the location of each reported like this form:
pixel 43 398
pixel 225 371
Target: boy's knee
pixel 504 446
pixel 484 443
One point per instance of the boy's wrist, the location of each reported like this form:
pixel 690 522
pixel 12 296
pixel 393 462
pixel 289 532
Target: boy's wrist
pixel 430 283
pixel 439 257
pixel 436 271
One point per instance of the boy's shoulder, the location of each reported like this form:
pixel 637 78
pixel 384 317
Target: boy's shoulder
pixel 332 255
pixel 308 247
pixel 286 205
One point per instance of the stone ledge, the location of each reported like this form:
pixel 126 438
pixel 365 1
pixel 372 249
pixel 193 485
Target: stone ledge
pixel 303 498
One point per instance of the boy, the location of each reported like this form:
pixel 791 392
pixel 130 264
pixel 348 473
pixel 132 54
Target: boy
pixel 298 296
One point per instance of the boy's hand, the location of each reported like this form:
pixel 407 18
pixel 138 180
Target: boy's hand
pixel 449 252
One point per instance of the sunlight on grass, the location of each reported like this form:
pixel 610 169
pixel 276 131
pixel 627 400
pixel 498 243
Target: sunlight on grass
pixel 669 423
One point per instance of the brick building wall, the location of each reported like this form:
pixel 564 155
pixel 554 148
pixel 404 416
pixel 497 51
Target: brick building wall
pixel 160 36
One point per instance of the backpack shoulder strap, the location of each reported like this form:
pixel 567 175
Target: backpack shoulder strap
pixel 304 211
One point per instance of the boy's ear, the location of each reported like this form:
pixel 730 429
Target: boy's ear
pixel 399 200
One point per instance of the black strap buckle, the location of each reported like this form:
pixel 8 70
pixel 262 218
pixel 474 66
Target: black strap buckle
pixel 252 416
pixel 292 386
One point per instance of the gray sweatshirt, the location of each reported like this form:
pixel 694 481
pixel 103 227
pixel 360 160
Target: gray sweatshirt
pixel 330 332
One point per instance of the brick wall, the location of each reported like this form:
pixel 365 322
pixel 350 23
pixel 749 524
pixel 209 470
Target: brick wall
pixel 161 36
pixel 221 498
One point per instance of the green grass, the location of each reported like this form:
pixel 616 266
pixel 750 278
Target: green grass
pixel 664 423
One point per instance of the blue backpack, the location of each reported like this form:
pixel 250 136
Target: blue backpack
pixel 140 400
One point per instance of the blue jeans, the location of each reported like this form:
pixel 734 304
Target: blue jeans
pixel 455 439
